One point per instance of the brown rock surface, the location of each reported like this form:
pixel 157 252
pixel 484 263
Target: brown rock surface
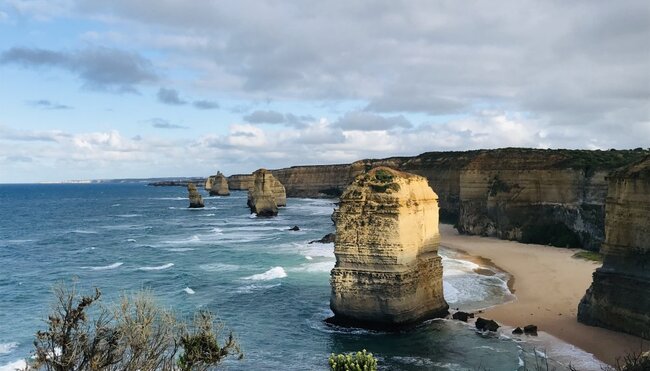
pixel 261 197
pixel 619 297
pixel 196 201
pixel 218 185
pixel 388 273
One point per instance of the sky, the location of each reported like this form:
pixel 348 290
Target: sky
pixel 153 88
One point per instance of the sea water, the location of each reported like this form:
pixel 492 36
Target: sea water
pixel 266 283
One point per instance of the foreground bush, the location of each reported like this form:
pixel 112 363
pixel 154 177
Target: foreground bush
pixel 138 334
pixel 360 361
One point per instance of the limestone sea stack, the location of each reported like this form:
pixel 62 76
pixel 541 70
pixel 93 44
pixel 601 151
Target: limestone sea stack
pixel 219 185
pixel 261 197
pixel 619 297
pixel 196 201
pixel 208 183
pixel 388 273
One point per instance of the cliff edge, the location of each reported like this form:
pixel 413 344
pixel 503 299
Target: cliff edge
pixel 619 297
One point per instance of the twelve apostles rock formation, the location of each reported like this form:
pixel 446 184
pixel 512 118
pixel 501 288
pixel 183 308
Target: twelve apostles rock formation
pixel 619 297
pixel 266 194
pixel 388 273
pixel 217 185
pixel 196 201
pixel 554 197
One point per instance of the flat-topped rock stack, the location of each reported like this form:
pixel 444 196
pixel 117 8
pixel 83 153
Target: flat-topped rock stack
pixel 266 194
pixel 388 273
pixel 196 201
pixel 217 185
pixel 619 297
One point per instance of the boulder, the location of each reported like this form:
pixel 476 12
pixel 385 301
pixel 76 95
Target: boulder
pixel 483 324
pixel 518 331
pixel 294 228
pixel 388 273
pixel 196 201
pixel 261 197
pixel 328 238
pixel 462 316
pixel 530 330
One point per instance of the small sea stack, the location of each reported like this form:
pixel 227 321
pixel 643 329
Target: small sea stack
pixel 619 297
pixel 388 274
pixel 261 197
pixel 196 201
pixel 218 185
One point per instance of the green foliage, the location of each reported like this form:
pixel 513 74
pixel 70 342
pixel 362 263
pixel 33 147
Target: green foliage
pixel 359 361
pixel 383 176
pixel 385 187
pixel 137 334
pixel 589 255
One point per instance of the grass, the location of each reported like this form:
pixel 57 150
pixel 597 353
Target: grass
pixel 589 255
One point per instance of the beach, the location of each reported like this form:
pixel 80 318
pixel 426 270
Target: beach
pixel 548 283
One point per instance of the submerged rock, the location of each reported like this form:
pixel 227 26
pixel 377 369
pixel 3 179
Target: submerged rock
pixel 294 228
pixel 261 197
pixel 462 316
pixel 619 297
pixel 483 324
pixel 218 185
pixel 328 238
pixel 388 273
pixel 196 201
pixel 518 331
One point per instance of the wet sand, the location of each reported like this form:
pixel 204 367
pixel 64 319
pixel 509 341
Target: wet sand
pixel 549 284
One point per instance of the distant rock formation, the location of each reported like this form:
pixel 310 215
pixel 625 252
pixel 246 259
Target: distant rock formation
pixel 196 201
pixel 619 297
pixel 240 182
pixel 388 273
pixel 261 197
pixel 218 185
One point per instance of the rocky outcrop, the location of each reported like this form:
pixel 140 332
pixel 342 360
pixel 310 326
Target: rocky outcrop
pixel 246 182
pixel 240 182
pixel 218 185
pixel 619 297
pixel 261 197
pixel 388 273
pixel 209 181
pixel 196 201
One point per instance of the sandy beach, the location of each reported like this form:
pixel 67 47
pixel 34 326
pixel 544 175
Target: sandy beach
pixel 548 284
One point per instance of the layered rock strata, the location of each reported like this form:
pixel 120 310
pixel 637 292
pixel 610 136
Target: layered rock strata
pixel 554 197
pixel 218 185
pixel 619 297
pixel 196 201
pixel 262 196
pixel 388 273
pixel 240 182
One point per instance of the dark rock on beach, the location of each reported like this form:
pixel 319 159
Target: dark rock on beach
pixel 483 324
pixel 518 331
pixel 530 330
pixel 462 316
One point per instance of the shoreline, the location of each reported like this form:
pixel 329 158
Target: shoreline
pixel 548 284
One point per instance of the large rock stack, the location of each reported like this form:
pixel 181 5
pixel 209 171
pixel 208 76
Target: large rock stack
pixel 388 273
pixel 218 185
pixel 266 194
pixel 619 297
pixel 196 201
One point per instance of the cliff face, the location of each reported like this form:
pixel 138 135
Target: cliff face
pixel 196 201
pixel 261 197
pixel 552 197
pixel 619 297
pixel 218 185
pixel 240 182
pixel 388 272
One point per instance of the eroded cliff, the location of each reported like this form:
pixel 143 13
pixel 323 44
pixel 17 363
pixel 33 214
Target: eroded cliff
pixel 262 195
pixel 388 273
pixel 218 185
pixel 619 297
pixel 196 201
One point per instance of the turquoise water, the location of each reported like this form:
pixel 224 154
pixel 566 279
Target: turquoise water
pixel 266 283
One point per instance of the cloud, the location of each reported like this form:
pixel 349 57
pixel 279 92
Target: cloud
pixel 99 68
pixel 205 104
pixel 159 123
pixel 19 159
pixel 32 135
pixel 367 121
pixel 274 117
pixel 170 96
pixel 46 104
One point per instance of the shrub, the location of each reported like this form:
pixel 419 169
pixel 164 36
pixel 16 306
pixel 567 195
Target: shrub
pixel 359 361
pixel 383 176
pixel 138 334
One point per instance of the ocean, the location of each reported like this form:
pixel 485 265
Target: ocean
pixel 266 283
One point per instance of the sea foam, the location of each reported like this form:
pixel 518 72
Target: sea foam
pixel 105 267
pixel 189 291
pixel 157 268
pixel 6 348
pixel 271 274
